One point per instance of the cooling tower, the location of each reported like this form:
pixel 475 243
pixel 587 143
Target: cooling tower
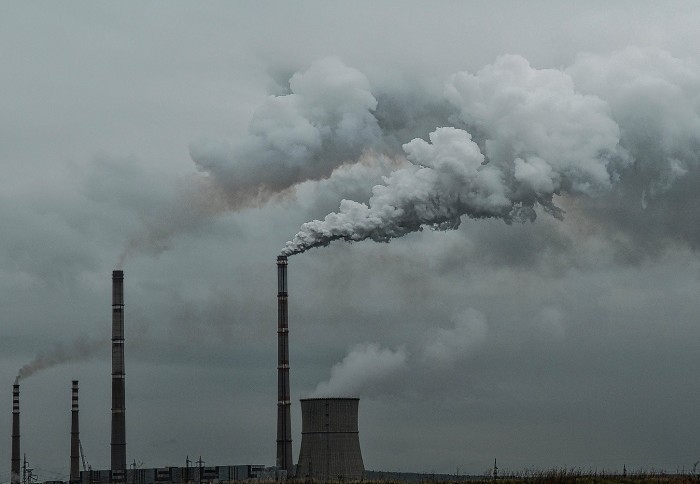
pixel 14 471
pixel 118 400
pixel 330 443
pixel 74 436
pixel 284 419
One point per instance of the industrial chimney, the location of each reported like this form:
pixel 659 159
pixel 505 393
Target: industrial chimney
pixel 15 477
pixel 330 443
pixel 74 436
pixel 118 401
pixel 284 419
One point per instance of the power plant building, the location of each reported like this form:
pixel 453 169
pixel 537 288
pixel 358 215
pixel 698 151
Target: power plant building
pixel 330 443
pixel 178 475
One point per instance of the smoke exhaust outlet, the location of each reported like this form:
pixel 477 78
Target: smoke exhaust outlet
pixel 74 436
pixel 284 419
pixel 15 478
pixel 118 399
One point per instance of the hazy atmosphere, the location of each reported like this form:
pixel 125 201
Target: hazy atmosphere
pixel 490 211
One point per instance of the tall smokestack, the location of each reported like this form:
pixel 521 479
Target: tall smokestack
pixel 74 436
pixel 15 435
pixel 118 402
pixel 284 419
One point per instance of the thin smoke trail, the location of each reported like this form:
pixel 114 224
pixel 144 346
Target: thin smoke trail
pixel 79 350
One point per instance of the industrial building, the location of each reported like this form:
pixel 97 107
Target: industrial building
pixel 330 447
pixel 330 444
pixel 178 475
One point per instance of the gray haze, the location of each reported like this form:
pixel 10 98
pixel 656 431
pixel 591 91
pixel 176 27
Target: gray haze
pixel 550 319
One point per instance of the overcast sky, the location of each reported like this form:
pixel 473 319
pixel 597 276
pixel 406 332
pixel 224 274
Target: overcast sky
pixel 550 320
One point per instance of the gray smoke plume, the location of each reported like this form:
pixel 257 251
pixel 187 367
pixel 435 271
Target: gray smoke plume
pixel 620 129
pixel 79 350
pixel 656 99
pixel 195 203
pixel 325 120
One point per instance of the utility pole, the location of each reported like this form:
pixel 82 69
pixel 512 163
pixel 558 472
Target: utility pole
pixel 201 468
pixel 27 473
pixel 495 470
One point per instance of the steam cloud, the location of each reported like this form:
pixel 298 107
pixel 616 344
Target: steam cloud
pixel 80 350
pixel 365 364
pixel 447 345
pixel 520 136
pixel 368 366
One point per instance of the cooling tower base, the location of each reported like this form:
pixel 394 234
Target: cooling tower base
pixel 330 444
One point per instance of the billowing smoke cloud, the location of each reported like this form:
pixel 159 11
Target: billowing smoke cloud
pixel 80 350
pixel 365 365
pixel 656 99
pixel 324 121
pixel 503 142
pixel 521 136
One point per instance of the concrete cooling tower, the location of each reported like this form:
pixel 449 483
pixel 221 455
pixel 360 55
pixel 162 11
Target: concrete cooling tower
pixel 330 443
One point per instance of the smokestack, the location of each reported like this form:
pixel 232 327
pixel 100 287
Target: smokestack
pixel 284 419
pixel 118 402
pixel 74 436
pixel 15 435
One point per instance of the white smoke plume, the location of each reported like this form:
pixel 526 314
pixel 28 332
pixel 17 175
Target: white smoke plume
pixel 366 364
pixel 621 129
pixel 538 137
pixel 79 350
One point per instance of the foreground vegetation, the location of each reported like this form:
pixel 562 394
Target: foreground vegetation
pixel 568 476
pixel 556 476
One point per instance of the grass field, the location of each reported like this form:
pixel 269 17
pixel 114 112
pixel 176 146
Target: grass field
pixel 561 476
